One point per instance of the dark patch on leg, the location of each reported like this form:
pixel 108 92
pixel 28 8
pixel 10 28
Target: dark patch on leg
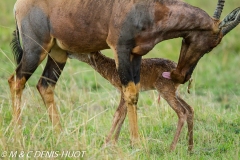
pixel 46 86
pixel 36 42
pixel 136 65
pixel 129 73
pixel 28 64
pixel 51 72
pixel 39 21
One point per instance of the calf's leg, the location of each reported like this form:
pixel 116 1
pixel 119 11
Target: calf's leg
pixel 119 117
pixel 190 117
pixel 172 99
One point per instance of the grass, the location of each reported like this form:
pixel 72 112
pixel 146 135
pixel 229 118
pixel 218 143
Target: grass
pixel 87 103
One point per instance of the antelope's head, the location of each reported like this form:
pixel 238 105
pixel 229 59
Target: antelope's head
pixel 196 43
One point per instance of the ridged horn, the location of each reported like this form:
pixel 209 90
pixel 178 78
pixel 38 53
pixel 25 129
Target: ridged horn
pixel 230 21
pixel 218 10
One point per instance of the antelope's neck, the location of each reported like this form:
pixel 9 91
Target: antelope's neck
pixel 168 20
pixel 183 19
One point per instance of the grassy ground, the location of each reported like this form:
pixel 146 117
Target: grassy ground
pixel 87 102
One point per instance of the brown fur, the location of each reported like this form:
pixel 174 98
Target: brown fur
pixel 151 79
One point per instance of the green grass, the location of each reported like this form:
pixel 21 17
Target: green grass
pixel 87 103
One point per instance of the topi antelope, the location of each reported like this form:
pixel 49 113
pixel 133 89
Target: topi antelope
pixel 131 28
pixel 150 79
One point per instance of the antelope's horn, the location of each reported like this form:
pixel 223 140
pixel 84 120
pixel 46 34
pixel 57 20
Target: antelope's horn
pixel 230 21
pixel 218 10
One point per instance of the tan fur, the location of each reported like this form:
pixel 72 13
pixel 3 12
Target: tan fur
pixel 48 98
pixel 131 95
pixel 16 88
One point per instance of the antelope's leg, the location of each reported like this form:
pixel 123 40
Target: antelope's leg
pixel 36 43
pixel 33 54
pixel 46 85
pixel 134 93
pixel 119 117
pixel 17 82
pixel 190 123
pixel 129 76
pixel 131 98
pixel 131 92
pixel 16 85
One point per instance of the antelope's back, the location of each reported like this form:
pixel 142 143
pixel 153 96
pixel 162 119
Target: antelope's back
pixel 77 25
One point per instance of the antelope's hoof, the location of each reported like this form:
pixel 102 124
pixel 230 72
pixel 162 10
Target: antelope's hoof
pixel 190 148
pixel 172 148
pixel 108 143
pixel 135 143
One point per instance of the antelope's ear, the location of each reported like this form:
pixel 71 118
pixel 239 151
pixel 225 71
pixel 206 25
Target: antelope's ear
pixel 230 21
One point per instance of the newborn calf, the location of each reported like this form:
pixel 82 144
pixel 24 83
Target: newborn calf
pixel 151 79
